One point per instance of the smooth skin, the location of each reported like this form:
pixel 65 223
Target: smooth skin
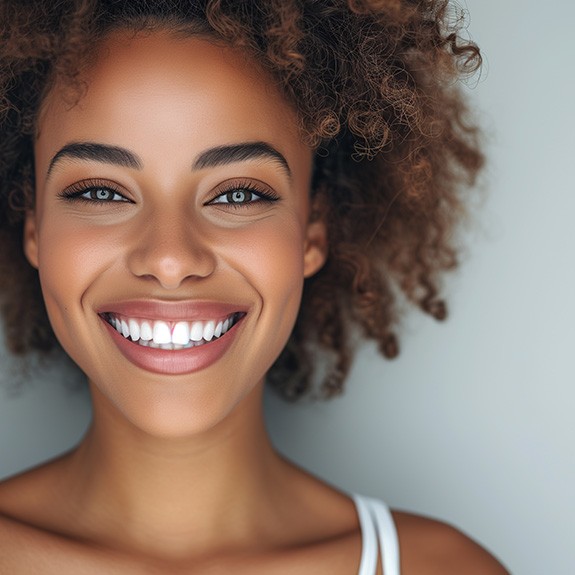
pixel 176 473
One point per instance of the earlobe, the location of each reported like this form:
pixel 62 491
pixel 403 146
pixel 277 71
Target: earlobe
pixel 315 251
pixel 31 239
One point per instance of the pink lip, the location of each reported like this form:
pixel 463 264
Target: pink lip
pixel 173 362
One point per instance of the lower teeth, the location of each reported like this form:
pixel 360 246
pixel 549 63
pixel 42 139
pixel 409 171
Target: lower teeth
pixel 170 346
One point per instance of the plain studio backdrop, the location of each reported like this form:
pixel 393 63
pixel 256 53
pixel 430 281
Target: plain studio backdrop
pixel 473 423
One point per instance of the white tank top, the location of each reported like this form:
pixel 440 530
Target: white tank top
pixel 379 536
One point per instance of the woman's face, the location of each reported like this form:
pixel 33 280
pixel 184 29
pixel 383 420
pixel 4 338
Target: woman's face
pixel 172 209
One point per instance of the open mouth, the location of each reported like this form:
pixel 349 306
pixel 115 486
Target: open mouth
pixel 170 335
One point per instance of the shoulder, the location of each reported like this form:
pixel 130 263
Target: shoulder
pixel 27 549
pixel 430 547
pixel 23 548
pixel 27 504
pixel 21 542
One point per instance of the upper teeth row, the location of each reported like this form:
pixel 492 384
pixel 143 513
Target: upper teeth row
pixel 160 332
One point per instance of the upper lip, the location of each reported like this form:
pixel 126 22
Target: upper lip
pixel 184 310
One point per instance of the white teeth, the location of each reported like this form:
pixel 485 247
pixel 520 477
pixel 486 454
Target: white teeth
pixel 134 330
pixel 181 333
pixel 146 333
pixel 197 331
pixel 162 333
pixel 209 330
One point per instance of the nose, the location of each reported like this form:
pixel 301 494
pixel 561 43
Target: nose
pixel 169 249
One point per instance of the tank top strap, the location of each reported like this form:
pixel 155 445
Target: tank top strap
pixel 377 523
pixel 369 551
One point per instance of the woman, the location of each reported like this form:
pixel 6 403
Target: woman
pixel 183 174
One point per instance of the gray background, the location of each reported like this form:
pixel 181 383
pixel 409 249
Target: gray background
pixel 474 422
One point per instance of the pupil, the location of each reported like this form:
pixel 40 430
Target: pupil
pixel 239 196
pixel 102 194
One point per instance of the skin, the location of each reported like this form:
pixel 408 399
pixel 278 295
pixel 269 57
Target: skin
pixel 176 472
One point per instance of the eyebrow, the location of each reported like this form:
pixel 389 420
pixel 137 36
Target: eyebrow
pixel 229 154
pixel 213 157
pixel 97 153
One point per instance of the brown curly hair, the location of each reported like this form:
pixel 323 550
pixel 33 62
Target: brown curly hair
pixel 375 86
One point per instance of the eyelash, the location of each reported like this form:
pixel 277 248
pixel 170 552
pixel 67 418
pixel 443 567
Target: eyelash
pixel 76 192
pixel 263 195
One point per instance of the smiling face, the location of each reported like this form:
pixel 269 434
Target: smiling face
pixel 171 227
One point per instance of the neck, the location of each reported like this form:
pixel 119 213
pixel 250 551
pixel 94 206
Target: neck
pixel 131 490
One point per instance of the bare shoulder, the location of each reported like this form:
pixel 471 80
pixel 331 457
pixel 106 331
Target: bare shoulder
pixel 23 548
pixel 28 549
pixel 430 547
pixel 20 540
pixel 28 544
pixel 26 494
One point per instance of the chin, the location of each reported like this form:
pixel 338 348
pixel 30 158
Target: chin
pixel 177 410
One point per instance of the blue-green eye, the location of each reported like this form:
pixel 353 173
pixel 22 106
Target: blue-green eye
pixel 102 195
pixel 244 194
pixel 239 196
pixel 93 192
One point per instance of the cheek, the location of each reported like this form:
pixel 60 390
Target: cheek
pixel 272 270
pixel 69 259
pixel 275 261
pixel 274 266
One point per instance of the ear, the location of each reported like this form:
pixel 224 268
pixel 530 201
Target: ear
pixel 31 239
pixel 315 249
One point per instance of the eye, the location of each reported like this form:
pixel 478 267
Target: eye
pixel 243 194
pixel 239 196
pixel 93 192
pixel 102 195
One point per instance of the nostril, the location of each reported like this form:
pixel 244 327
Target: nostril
pixel 171 265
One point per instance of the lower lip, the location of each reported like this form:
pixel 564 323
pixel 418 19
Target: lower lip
pixel 173 362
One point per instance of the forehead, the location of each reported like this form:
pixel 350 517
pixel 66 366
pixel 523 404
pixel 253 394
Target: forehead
pixel 161 88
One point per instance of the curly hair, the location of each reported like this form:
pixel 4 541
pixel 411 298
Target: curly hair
pixel 375 86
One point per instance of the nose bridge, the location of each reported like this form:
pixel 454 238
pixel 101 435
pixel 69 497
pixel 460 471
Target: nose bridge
pixel 170 248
